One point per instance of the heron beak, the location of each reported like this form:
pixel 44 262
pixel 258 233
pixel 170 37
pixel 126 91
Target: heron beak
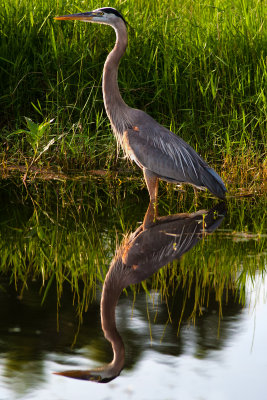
pixel 87 16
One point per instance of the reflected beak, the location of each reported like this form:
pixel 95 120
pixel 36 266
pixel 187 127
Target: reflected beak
pixel 87 16
pixel 76 374
pixel 93 376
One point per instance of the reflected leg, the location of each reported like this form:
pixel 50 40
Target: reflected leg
pixel 152 186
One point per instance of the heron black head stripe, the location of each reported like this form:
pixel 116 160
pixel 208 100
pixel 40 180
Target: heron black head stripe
pixel 110 10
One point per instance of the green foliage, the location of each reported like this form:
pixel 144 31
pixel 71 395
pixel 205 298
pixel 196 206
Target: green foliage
pixel 35 133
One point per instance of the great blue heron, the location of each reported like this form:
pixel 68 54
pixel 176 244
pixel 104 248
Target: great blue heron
pixel 142 254
pixel 157 151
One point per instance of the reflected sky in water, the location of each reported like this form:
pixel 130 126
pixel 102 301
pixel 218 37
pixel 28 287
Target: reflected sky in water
pixel 234 371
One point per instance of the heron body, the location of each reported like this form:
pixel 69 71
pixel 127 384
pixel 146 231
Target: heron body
pixel 160 153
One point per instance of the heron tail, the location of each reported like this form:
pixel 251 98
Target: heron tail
pixel 213 182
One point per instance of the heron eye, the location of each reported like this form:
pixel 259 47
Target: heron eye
pixel 101 13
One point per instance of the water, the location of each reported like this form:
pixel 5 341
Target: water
pixel 195 329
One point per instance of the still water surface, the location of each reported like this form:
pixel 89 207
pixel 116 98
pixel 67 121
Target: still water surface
pixel 196 329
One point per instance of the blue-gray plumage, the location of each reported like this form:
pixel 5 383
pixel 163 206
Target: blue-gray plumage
pixel 160 153
pixel 169 157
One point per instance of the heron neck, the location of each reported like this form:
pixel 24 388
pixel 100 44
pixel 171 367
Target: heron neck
pixel 111 93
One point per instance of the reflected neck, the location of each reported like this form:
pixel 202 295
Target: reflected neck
pixel 110 296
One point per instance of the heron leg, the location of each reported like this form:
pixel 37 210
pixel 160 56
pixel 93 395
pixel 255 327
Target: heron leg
pixel 152 185
pixel 195 196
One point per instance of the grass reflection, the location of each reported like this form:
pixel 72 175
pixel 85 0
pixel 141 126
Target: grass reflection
pixel 67 232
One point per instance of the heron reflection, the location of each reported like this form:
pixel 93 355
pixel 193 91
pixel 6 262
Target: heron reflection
pixel 141 254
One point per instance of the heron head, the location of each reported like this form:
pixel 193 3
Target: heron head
pixel 105 15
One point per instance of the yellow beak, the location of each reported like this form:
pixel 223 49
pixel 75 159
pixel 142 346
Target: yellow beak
pixel 87 16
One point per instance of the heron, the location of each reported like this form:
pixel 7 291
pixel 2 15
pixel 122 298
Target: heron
pixel 160 153
pixel 141 254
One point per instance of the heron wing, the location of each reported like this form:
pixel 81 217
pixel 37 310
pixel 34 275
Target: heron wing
pixel 164 153
pixel 159 150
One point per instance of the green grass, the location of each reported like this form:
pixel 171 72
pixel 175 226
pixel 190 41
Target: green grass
pixel 199 68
